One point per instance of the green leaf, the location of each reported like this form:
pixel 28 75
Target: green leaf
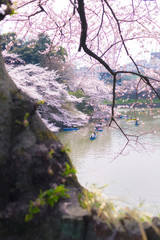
pixel 50 196
pixel 28 217
pixel 69 170
pixel 41 102
pixel 26 116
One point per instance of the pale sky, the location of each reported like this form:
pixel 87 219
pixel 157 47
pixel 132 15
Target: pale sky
pixel 59 5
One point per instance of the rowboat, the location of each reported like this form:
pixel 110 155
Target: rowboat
pixel 99 129
pixel 123 116
pixel 131 119
pixel 92 137
pixel 136 123
pixel 70 129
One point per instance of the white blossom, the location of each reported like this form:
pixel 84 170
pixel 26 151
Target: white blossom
pixel 40 84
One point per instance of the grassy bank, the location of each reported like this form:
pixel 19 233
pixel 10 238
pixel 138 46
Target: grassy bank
pixel 131 101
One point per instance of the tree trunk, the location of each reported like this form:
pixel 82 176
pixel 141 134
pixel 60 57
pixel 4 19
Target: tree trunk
pixel 6 88
pixel 31 159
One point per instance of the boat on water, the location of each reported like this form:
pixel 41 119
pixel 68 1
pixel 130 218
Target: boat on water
pixel 99 129
pixel 136 123
pixel 131 119
pixel 70 129
pixel 123 116
pixel 93 136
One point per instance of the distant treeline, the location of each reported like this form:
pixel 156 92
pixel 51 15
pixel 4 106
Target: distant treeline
pixel 33 51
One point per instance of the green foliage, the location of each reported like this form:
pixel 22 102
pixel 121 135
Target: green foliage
pixel 25 121
pixel 94 200
pixel 28 54
pixel 85 107
pixel 109 212
pixel 50 197
pixel 61 53
pixel 8 38
pixel 65 148
pixel 41 102
pixel 85 198
pixel 69 171
pixel 82 106
pixel 34 208
pixel 46 135
pixel 50 154
pixel 79 93
pixel 12 12
pixel 131 101
pixel 32 51
pixel 42 42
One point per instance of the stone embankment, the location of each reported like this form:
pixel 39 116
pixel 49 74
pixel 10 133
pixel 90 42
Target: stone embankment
pixel 35 161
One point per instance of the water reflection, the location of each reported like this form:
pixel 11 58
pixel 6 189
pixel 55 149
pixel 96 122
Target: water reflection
pixel 134 175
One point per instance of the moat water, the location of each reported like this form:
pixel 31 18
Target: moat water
pixel 132 172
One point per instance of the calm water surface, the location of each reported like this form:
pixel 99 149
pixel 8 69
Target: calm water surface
pixel 133 176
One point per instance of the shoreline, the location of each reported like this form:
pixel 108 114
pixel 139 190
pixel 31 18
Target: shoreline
pixel 136 105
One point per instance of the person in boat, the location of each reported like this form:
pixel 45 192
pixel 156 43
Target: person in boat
pixel 136 122
pixel 93 135
pixel 99 126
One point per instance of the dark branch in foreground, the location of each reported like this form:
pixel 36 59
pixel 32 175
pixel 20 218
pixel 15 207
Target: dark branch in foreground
pixel 83 45
pixel 83 38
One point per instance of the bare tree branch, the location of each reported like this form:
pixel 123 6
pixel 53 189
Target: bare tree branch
pixel 120 33
pixel 83 37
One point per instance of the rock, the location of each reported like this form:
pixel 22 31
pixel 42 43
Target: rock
pixel 31 159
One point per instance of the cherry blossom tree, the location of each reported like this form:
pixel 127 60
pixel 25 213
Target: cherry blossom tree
pixel 102 32
pixel 58 108
pixel 105 30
